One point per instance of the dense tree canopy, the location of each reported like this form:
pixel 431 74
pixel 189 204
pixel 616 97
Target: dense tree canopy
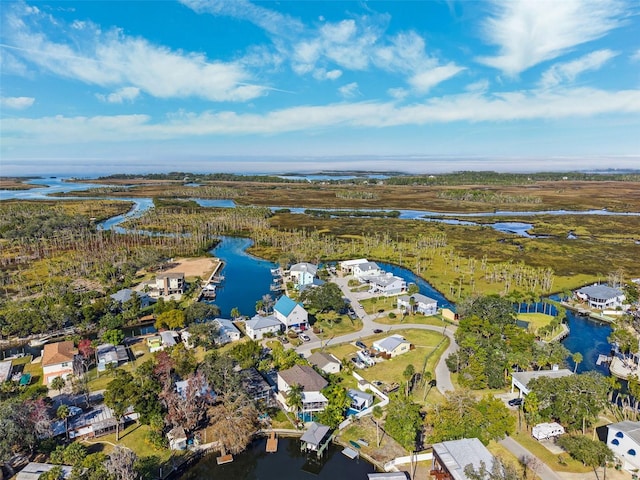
pixel 325 297
pixel 403 421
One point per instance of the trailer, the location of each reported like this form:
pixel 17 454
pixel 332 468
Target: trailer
pixel 544 431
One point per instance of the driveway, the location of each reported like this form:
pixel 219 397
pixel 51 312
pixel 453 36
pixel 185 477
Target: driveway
pixel 442 374
pixel 542 470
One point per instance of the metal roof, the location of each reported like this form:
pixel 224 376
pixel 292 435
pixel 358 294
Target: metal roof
pixel 457 454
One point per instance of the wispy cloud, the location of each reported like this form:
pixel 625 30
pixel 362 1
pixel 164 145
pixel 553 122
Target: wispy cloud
pixel 113 59
pixel 16 103
pixel 635 56
pixel 426 80
pixel 568 71
pixel 125 94
pixel 530 32
pixel 349 90
pixel 470 107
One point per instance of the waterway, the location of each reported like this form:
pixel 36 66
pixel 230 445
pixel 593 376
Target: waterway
pixel 288 463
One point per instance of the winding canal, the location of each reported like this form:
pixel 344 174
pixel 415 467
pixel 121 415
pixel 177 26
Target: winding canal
pixel 586 336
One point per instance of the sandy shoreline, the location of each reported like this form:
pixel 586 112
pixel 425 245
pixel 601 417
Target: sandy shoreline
pixel 201 267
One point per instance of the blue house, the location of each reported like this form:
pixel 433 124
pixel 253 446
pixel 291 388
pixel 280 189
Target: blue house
pixel 291 314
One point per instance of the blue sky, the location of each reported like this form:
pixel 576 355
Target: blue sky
pixel 421 86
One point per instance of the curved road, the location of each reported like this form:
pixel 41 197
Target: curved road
pixel 369 324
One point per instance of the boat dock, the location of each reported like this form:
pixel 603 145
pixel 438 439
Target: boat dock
pixel 603 359
pixel 224 459
pixel 209 291
pixel 272 443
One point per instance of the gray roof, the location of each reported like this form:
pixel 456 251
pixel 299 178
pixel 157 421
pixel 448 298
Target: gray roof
pixel 124 295
pixel 390 343
pixel 304 267
pixel 387 476
pixel 305 376
pixel 321 359
pixel 353 393
pixel 225 325
pixel 259 322
pixel 457 454
pixel 168 338
pixel 367 266
pixel 601 292
pixel 419 298
pixel 385 280
pixel 632 429
pixel 33 470
pixel 5 370
pixel 525 377
pixel 315 433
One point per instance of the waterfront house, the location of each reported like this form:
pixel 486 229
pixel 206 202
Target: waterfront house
pixel 360 400
pixel 109 354
pixel 126 294
pixel 57 360
pixel 326 362
pixel 450 458
pixel 97 422
pixel 170 283
pixel 601 296
pixel 418 303
pixel 259 326
pixel 303 274
pixel 177 439
pixel 291 314
pixel 316 438
pixel 169 338
pixel 311 382
pixel 363 271
pixel 520 380
pixel 347 266
pixel 386 284
pixel 392 346
pixel 227 331
pixel 623 438
pixel 255 385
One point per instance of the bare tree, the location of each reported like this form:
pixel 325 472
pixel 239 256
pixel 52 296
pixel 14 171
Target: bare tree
pixel 121 463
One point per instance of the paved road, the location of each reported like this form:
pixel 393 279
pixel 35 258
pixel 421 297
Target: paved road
pixel 542 469
pixel 443 377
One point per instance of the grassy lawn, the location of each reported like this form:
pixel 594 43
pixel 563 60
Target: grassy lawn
pixel 417 318
pixel 536 320
pixel 375 304
pixel 506 456
pixel 560 463
pixel 338 327
pixel 35 369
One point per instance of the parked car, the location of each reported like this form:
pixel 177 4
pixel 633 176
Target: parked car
pixel 515 402
pixel 356 361
pixel 377 330
pixel 360 344
pixel 283 339
pixel 304 337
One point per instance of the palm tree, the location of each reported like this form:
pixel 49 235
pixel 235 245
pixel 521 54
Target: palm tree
pixel 58 384
pixel 63 413
pixel 577 359
pixel 408 375
pixel 377 415
pixel 294 397
pixel 235 313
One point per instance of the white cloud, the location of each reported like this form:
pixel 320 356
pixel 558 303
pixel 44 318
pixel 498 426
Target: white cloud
pixel 322 74
pixel 530 32
pixel 469 107
pixel 265 18
pixel 568 71
pixel 479 86
pixel 349 90
pixel 424 81
pixel 125 94
pixel 113 59
pixel 10 65
pixel 398 93
pixel 635 56
pixel 16 103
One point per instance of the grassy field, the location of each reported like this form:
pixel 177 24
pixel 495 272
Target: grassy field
pixel 340 326
pixel 536 320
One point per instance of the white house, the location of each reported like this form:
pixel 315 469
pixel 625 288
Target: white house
pixel 258 326
pixel 326 362
pixel 291 314
pixel 520 380
pixel 387 284
pixel 347 266
pixel 177 439
pixel 57 360
pixel 303 273
pixel 623 438
pixel 360 400
pixel 393 345
pixel 227 331
pixel 33 470
pixel 362 271
pixel 420 304
pixel 310 381
pixel 109 354
pixel 601 296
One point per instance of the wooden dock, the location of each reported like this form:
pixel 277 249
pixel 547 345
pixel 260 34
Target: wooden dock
pixel 272 443
pixel 224 459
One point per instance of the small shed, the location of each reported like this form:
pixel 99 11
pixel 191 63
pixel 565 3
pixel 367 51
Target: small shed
pixel 177 439
pixel 316 438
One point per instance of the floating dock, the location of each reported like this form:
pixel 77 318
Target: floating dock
pixel 350 452
pixel 272 443
pixel 224 459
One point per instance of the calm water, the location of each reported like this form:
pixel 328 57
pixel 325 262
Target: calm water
pixel 247 278
pixel 288 463
pixel 590 339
